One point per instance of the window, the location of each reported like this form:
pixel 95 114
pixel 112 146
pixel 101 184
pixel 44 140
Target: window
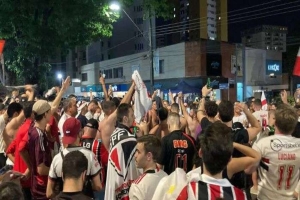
pixel 161 66
pixel 109 56
pixel 108 74
pixel 84 77
pixel 102 44
pixel 108 44
pixel 118 72
pixel 102 56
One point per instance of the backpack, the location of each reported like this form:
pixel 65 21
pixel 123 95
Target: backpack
pixel 87 187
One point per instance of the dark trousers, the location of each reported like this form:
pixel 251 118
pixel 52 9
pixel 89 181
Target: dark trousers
pixel 2 160
pixel 27 193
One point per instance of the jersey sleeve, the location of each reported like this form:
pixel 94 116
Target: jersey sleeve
pixel 52 174
pixel 12 147
pixel 95 166
pixel 258 147
pixel 136 192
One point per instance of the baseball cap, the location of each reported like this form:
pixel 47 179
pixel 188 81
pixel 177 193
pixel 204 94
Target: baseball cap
pixel 92 123
pixel 71 129
pixel 40 107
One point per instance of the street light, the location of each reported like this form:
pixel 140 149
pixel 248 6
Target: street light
pixel 115 6
pixel 59 76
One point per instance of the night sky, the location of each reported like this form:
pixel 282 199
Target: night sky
pixel 291 20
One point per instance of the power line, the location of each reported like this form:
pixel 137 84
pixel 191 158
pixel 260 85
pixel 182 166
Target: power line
pixel 203 19
pixel 246 8
pixel 190 29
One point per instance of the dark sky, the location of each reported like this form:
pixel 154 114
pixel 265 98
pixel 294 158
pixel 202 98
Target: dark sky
pixel 279 17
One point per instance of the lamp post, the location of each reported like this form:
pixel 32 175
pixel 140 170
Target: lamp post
pixel 116 7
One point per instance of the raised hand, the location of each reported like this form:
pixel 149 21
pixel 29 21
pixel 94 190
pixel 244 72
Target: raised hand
pixel 205 90
pixel 66 83
pixel 101 80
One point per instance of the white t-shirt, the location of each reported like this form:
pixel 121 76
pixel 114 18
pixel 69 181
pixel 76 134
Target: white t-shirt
pixel 2 127
pixel 242 118
pixel 61 122
pixel 279 169
pixel 56 165
pixel 143 188
pixel 260 115
pixel 89 115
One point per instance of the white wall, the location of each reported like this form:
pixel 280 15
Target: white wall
pixel 174 65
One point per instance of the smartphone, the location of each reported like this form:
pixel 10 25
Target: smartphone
pixel 103 75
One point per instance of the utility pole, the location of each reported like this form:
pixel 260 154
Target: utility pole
pixel 3 68
pixel 151 56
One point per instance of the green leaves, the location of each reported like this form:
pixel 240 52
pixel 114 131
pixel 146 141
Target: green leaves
pixel 36 29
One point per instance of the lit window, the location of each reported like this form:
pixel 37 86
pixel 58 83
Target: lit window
pixel 220 18
pixel 174 15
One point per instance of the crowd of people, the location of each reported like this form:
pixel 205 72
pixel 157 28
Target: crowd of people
pixel 142 147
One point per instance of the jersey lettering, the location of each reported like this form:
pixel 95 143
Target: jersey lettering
pixel 181 161
pixel 285 174
pixel 86 145
pixel 180 144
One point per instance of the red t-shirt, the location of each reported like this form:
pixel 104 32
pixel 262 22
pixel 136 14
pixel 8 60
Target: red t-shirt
pixel 54 131
pixel 13 148
pixel 39 152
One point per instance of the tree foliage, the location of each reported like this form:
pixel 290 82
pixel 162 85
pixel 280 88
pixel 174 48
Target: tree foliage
pixel 36 29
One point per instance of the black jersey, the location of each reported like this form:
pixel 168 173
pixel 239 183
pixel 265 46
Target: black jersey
pixel 178 150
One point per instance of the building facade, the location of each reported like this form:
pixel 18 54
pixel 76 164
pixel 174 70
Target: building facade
pixel 267 37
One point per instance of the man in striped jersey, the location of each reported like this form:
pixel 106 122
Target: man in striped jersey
pixel 147 151
pixel 216 150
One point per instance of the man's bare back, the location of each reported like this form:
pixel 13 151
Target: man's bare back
pixel 193 124
pixel 106 128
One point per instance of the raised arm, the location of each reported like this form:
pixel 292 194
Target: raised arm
pixel 102 82
pixel 183 110
pixel 236 165
pixel 255 125
pixel 57 100
pixel 171 97
pixel 201 110
pixel 126 99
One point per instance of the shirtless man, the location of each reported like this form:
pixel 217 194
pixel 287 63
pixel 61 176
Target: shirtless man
pixel 16 121
pixel 153 118
pixel 162 129
pixel 183 122
pixel 191 119
pixel 108 124
pixel 13 126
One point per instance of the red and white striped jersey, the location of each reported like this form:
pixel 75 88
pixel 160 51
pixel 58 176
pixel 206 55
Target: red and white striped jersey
pixel 279 169
pixel 144 186
pixel 209 188
pixel 121 169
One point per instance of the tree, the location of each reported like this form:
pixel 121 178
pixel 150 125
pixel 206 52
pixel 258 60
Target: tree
pixel 36 29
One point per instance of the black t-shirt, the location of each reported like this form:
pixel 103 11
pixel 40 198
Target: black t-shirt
pixel 296 132
pixel 71 196
pixel 178 150
pixel 240 136
pixel 205 123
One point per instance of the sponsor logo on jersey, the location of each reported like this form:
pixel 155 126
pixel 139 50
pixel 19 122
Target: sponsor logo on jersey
pixel 277 145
